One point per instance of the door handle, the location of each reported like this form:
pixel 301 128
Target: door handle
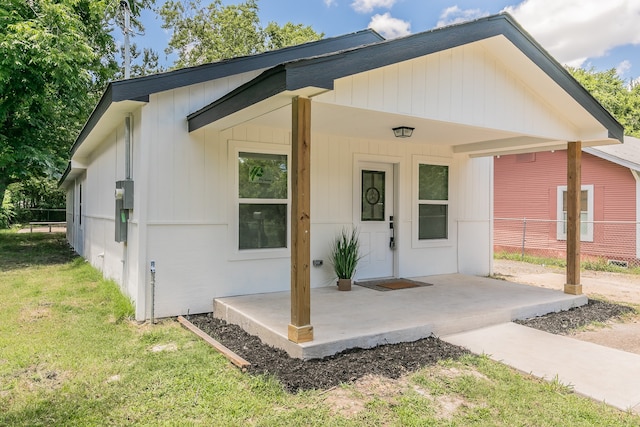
pixel 392 240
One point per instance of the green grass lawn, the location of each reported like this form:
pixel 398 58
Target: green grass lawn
pixel 71 355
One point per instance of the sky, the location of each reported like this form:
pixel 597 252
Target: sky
pixel 598 34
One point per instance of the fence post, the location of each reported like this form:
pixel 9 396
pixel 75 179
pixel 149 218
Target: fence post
pixel 524 236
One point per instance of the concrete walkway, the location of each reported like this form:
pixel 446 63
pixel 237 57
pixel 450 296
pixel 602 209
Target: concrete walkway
pixel 602 373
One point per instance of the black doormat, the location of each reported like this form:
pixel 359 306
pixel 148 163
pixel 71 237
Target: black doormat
pixel 391 284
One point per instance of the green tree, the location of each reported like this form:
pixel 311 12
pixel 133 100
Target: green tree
pixel 56 56
pixel 289 34
pixel 202 34
pixel 621 100
pixel 633 118
pixel 45 76
pixel 143 62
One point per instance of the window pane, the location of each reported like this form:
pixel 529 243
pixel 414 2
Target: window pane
pixel 372 196
pixel 584 224
pixel 262 226
pixel 262 176
pixel 433 182
pixel 584 200
pixel 432 222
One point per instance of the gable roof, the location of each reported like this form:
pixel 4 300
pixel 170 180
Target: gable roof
pixel 322 71
pixel 627 154
pixel 139 89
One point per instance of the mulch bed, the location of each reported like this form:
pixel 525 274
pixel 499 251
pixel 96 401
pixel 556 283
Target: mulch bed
pixel 391 360
pixel 565 322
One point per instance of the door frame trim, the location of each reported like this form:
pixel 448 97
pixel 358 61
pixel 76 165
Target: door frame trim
pixel 394 162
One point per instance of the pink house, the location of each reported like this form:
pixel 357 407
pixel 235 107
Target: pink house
pixel 530 202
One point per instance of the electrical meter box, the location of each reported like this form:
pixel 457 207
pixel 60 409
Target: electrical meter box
pixel 124 203
pixel 127 193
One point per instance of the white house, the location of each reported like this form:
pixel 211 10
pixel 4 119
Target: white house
pixel 215 164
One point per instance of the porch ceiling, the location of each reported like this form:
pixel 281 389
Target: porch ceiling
pixel 349 122
pixel 542 106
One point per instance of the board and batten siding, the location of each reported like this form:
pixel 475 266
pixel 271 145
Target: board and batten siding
pixel 184 203
pixel 465 85
pixel 526 187
pixel 186 224
pixel 193 250
pixel 105 166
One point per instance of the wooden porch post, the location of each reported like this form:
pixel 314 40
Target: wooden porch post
pixel 300 329
pixel 574 156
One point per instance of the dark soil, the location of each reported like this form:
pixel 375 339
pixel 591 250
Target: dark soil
pixel 565 322
pixel 391 360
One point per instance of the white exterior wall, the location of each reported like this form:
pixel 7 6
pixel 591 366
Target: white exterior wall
pixel 184 216
pixel 189 225
pixel 104 167
pixel 475 222
pixel 70 193
pixel 182 208
pixel 92 231
pixel 465 85
pixel 192 225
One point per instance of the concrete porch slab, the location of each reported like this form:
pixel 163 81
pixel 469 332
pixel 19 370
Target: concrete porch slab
pixel 366 318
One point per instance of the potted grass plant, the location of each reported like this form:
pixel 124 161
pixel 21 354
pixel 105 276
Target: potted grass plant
pixel 345 256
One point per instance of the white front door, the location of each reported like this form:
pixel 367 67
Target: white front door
pixel 374 217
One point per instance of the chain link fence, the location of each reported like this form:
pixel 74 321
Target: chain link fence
pixel 607 243
pixel 25 215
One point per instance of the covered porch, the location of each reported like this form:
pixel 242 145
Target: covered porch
pixel 365 317
pixel 468 93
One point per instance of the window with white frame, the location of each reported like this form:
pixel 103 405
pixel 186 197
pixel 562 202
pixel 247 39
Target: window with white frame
pixel 586 213
pixel 433 202
pixel 262 200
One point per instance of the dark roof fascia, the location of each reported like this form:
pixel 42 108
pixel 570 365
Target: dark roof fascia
pixel 267 84
pixel 321 71
pixel 94 118
pixel 139 89
pixel 144 86
pixel 64 176
pixel 534 51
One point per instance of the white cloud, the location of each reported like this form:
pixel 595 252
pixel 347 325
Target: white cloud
pixel 390 27
pixel 367 6
pixel 455 15
pixel 330 3
pixel 623 68
pixel 574 30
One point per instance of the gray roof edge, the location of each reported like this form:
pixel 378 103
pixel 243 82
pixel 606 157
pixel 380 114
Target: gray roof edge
pixel 564 79
pixel 612 158
pixel 145 85
pixel 322 70
pixel 99 110
pixel 621 157
pixel 467 32
pixel 140 88
pixel 64 176
pixel 253 91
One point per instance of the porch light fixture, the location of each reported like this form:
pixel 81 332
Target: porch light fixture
pixel 403 132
